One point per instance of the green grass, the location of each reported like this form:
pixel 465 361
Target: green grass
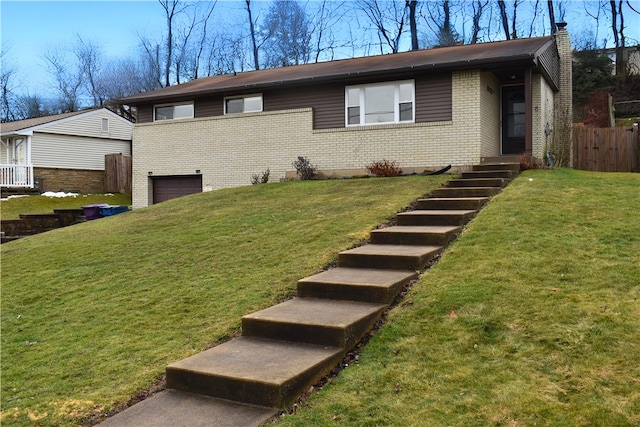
pixel 13 207
pixel 92 314
pixel 532 317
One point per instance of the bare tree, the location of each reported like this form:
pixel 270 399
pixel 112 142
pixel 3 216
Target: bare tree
pixel 504 19
pixel 172 8
pixel 328 15
pixel 413 27
pixel 478 7
pixel 552 16
pixel 388 18
pixel 252 31
pixel 7 72
pixel 617 28
pixel 439 20
pixel 287 35
pixel 88 56
pixel 68 79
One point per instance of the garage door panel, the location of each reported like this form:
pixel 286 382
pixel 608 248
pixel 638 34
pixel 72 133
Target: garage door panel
pixel 171 187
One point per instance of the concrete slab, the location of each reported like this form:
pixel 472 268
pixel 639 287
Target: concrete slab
pixel 435 217
pixel 395 257
pixel 314 321
pixel 173 408
pixel 253 370
pixel 414 235
pixel 356 284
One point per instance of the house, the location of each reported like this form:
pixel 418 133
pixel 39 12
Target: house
pixel 64 152
pixel 423 109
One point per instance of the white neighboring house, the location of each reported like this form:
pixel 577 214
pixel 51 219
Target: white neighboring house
pixel 64 152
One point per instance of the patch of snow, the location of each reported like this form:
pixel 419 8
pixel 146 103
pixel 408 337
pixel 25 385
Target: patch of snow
pixel 14 197
pixel 58 194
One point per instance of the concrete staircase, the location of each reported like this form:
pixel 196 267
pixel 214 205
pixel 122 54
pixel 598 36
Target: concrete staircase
pixel 287 348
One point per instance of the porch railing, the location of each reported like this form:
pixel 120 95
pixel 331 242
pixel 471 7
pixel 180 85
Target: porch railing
pixel 16 176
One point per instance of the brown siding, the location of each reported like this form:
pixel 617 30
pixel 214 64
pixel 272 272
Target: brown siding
pixel 145 114
pixel 327 102
pixel 433 101
pixel 433 98
pixel 208 107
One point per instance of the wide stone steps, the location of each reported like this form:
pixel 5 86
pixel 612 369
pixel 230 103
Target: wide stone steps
pixel 506 174
pixel 438 235
pixel 452 203
pixel 356 284
pixel 314 321
pixel 286 348
pixel 256 371
pixel 393 257
pixel 457 192
pixel 452 217
pixel 477 182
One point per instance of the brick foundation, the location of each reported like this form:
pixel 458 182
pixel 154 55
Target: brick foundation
pixel 72 180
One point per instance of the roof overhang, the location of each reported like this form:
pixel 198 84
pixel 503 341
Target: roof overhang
pixel 514 53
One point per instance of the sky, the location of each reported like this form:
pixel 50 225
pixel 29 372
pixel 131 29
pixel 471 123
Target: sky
pixel 29 28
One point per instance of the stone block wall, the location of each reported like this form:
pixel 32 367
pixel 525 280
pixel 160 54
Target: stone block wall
pixel 70 180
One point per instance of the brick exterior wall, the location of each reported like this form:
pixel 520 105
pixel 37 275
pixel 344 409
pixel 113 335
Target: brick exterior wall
pixel 71 180
pixel 490 105
pixel 563 105
pixel 543 98
pixel 228 150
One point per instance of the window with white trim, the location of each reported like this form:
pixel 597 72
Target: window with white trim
pixel 105 125
pixel 173 111
pixel 243 104
pixel 379 103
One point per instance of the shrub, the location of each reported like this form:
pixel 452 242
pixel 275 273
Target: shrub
pixel 305 169
pixel 384 168
pixel 260 179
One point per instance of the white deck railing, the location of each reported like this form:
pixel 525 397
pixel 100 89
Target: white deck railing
pixel 16 176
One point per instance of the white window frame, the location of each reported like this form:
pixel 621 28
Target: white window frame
pixel 243 97
pixel 181 104
pixel 105 125
pixel 396 102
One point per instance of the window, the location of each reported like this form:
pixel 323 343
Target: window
pixel 380 103
pixel 173 112
pixel 105 125
pixel 243 104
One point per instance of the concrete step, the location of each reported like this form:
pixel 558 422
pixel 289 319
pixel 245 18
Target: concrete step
pixel 314 321
pixel 514 166
pixel 438 235
pixel 457 192
pixel 394 257
pixel 452 203
pixel 507 158
pixel 478 182
pixel 174 408
pixel 506 174
pixel 254 370
pixel 356 284
pixel 435 217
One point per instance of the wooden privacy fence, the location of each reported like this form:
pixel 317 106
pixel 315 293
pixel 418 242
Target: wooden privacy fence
pixel 117 173
pixel 606 149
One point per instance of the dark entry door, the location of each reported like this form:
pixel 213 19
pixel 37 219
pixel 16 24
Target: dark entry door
pixel 513 120
pixel 171 187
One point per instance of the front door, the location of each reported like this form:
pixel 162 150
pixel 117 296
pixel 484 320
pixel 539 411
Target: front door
pixel 513 120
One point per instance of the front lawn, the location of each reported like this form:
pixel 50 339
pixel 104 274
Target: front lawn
pixel 532 317
pixel 93 313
